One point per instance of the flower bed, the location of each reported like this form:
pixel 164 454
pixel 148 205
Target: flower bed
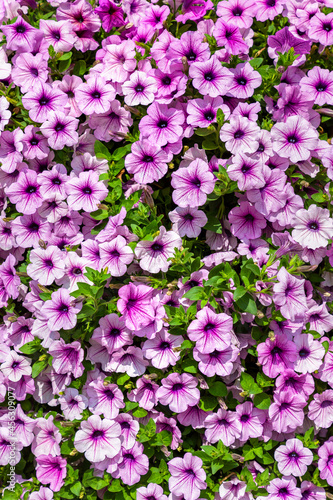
pixel 166 235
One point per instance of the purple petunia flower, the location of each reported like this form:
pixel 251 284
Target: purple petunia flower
pixel 59 34
pixel 319 85
pixel 161 349
pixel 286 412
pixel 154 255
pixel 112 333
pixel 46 265
pixel 152 492
pixel 192 184
pixel 25 193
pixel 147 161
pixel 293 458
pixel 245 80
pixel 187 476
pixel 43 99
pixel 28 70
pixel 139 89
pixel 276 355
pixel 246 222
pixel 210 78
pixel 313 227
pixel 294 139
pixel 135 305
pixel 289 295
pixel 116 255
pixel 15 367
pixel 85 191
pixel 251 420
pixel 325 462
pixel 240 135
pixel 178 391
pixel 210 331
pixel 321 409
pixel 98 439
pixel 162 125
pixel 67 358
pixel 284 489
pixel 51 470
pixel 110 14
pixel 105 399
pixel 60 130
pixel 247 171
pixel 60 311
pixel 229 36
pixel 222 426
pixel 20 35
pixel 133 465
pixel 188 221
pixel 310 354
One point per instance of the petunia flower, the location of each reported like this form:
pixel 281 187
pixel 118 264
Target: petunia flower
pixel 98 439
pixel 178 392
pixel 187 476
pixel 85 191
pixel 60 311
pixel 154 255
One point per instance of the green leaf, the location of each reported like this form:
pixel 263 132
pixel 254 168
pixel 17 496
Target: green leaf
pixel 196 293
pixel 218 389
pixel 262 401
pixel 65 56
pixel 247 304
pixel 318 197
pixel 203 132
pixel 101 151
pixel 97 483
pixel 248 384
pixel 115 486
pixel 209 145
pixel 220 116
pixel 122 379
pixel 45 296
pixel 208 403
pixel 189 366
pixel 121 152
pixel 255 63
pixel 38 367
pixel 239 292
pixel 31 347
pixel 80 68
pixel 139 413
pixel 64 65
pixel 100 214
pixel 76 488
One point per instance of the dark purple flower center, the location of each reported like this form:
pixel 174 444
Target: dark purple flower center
pixel 276 350
pixel 209 115
pixel 327 27
pixel 15 364
pixel 147 159
pixel 157 247
pixel 241 80
pixel 326 404
pixel 245 418
pixel 149 387
pixel 166 80
pixel 304 353
pixel 188 217
pixel 151 497
pixel 87 190
pixel 31 189
pixel 191 55
pixel 129 456
pixel 223 422
pixel 238 134
pixel 293 454
pixel 237 11
pixel 97 434
pixel 285 406
pixel 270 3
pixel 56 181
pixel 56 35
pixel 131 303
pixel 21 29
pixel 177 387
pixel 77 271
pixel 34 141
pixel 292 139
pixel 321 87
pixel 164 345
pixel 215 354
pixel 209 76
pixel 34 227
pixel 109 394
pixel 43 101
pixel 283 491
pixel 261 148
pixel 192 283
pixel 114 332
pixel 196 182
pixel 190 472
pixel 125 425
pixel 48 263
pixel 209 326
pixel 162 123
pixel 313 225
pixel 59 127
pixel 96 95
pixel 249 218
pixel 306 494
pixel 114 253
pixel 139 88
pixel 34 71
pixel 245 168
pixel 63 308
pixel 70 93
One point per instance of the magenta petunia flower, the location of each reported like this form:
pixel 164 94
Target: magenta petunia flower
pixel 51 470
pixel 34 144
pixel 247 171
pixel 321 409
pixel 293 458
pixel 178 391
pixel 106 399
pixel 20 35
pixel 85 192
pixel 310 353
pixel 135 305
pixel 188 221
pixel 67 358
pixel 98 439
pixel 202 112
pixel 240 135
pixel 162 125
pixel 245 80
pixel 94 96
pixel 284 488
pixel 119 61
pixel 161 350
pixel 152 491
pixel 192 184
pixel 46 265
pixel 251 420
pixel 147 161
pixel 110 14
pixel 30 229
pixel 139 89
pixel 28 70
pixel 218 362
pixel 320 28
pixel 153 255
pixel 112 333
pixel 191 46
pixel 59 35
pixel 16 366
pixel 25 193
pixel 276 355
pixel 129 430
pixel 61 310
pixel 289 295
pixel 43 99
pixel 294 139
pixel 313 227
pixel 187 476
pixel 116 255
pixel 222 425
pixel 11 147
pixel 144 394
pixel 229 36
pixel 133 465
pixel 210 331
pixel 319 85
pixel 72 404
pixel 286 412
pixel 210 78
pixel 60 130
pixel 246 222
pixel 325 462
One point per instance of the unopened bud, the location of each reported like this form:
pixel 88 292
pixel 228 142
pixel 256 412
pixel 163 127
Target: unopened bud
pixel 304 184
pixel 185 64
pixel 260 315
pixel 43 288
pixel 222 403
pixel 271 336
pixel 237 457
pixel 102 207
pixel 305 269
pixel 42 244
pixel 132 110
